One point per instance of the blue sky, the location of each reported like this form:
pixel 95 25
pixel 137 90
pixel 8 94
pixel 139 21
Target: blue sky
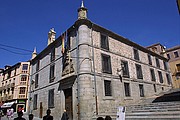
pixel 26 23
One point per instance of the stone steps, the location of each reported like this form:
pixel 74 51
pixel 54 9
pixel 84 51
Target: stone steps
pixel 154 111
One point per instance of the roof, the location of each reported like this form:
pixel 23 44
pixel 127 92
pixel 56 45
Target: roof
pixel 98 28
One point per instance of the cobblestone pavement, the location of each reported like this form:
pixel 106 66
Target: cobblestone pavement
pixel 24 116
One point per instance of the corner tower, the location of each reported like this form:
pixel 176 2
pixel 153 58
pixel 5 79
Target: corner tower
pixel 82 12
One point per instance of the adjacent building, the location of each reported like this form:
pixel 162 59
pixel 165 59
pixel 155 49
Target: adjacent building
pixel 173 55
pixel 90 71
pixel 14 86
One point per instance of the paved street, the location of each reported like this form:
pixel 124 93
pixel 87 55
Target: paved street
pixel 24 116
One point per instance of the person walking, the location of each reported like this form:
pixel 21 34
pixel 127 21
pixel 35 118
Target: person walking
pixel 31 116
pixel 48 115
pixel 20 114
pixel 65 116
pixel 9 114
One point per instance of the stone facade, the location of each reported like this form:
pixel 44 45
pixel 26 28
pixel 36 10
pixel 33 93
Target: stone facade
pixel 94 88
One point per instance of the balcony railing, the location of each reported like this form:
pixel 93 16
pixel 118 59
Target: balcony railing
pixel 23 83
pixel 10 97
pixel 22 96
pixel 24 71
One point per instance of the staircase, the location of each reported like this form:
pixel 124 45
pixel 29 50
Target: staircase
pixel 154 111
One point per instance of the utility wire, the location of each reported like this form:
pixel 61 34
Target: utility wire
pixel 13 51
pixel 15 48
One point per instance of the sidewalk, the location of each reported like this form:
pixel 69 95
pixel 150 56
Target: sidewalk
pixel 24 116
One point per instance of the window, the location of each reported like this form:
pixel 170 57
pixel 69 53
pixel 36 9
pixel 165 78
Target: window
pixel 141 90
pixel 53 54
pixel 136 54
pixel 51 74
pixel 125 69
pixel 25 67
pixel 165 65
pixel 36 80
pixel 35 102
pixel 15 72
pixel 37 65
pixel 168 56
pixel 155 90
pixel 153 78
pixel 104 42
pixel 22 90
pixel 178 67
pixel 106 64
pixel 176 54
pixel 127 89
pixel 157 63
pixel 139 71
pixel 51 98
pixel 160 77
pixel 23 77
pixel 149 59
pixel 168 78
pixel 9 75
pixel 107 88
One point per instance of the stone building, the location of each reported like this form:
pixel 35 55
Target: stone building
pixel 14 86
pixel 90 71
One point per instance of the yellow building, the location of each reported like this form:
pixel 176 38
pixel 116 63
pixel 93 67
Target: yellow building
pixel 174 61
pixel 14 86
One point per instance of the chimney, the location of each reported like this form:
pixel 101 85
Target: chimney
pixel 51 36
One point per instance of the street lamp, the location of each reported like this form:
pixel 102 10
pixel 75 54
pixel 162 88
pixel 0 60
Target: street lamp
pixel 119 71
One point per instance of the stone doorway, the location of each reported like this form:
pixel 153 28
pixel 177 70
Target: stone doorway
pixel 68 102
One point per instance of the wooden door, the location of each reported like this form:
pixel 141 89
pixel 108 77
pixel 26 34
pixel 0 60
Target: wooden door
pixel 68 102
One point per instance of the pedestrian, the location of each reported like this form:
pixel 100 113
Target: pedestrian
pixel 31 116
pixel 108 118
pixel 65 116
pixel 100 118
pixel 48 115
pixel 9 114
pixel 20 114
pixel 1 113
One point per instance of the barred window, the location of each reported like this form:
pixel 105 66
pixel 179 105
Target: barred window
pixel 157 63
pixel 53 54
pixel 37 65
pixel 125 69
pixel 149 59
pixel 23 77
pixel 107 88
pixel 139 71
pixel 168 78
pixel 106 64
pixel 25 67
pixel 36 80
pixel 51 74
pixel 127 89
pixel 104 42
pixel 160 77
pixel 136 54
pixel 35 102
pixel 141 90
pixel 153 78
pixel 51 98
pixel 22 90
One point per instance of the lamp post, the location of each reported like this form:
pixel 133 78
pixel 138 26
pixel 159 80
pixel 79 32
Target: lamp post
pixel 120 72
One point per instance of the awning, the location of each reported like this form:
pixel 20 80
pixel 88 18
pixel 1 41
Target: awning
pixel 7 105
